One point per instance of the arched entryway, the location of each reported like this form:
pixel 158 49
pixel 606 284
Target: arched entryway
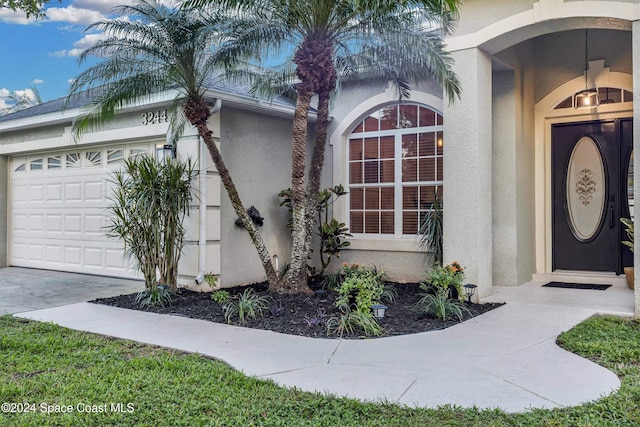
pixel 516 66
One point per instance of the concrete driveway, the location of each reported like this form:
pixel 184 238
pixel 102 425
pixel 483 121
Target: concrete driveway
pixel 26 289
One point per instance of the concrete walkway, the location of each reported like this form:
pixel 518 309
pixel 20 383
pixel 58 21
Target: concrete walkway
pixel 506 358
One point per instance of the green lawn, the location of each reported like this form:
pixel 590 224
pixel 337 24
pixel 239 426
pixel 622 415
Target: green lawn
pixel 45 365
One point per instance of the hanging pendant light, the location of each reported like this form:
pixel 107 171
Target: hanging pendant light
pixel 587 98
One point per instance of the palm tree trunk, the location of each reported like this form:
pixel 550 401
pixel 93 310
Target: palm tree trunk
pixel 297 275
pixel 317 165
pixel 198 113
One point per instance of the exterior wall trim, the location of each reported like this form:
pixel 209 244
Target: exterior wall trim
pixel 543 11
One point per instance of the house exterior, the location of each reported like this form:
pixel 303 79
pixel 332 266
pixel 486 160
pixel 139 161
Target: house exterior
pixel 54 198
pixel 532 186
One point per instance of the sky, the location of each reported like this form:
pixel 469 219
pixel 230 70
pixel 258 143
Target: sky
pixel 43 54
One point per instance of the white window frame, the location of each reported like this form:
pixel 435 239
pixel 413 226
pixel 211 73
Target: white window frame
pixel 397 184
pixel 339 140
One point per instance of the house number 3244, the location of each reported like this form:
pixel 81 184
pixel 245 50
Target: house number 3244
pixel 153 117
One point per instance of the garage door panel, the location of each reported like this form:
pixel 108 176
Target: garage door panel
pixel 73 192
pixel 19 252
pixel 93 225
pixel 94 191
pixel 36 251
pixel 20 193
pixel 53 193
pixel 20 222
pixel 53 254
pixel 36 192
pixel 36 223
pixel 72 224
pixel 93 257
pixel 71 256
pixel 114 259
pixel 59 212
pixel 53 223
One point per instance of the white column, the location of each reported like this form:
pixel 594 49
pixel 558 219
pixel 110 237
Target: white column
pixel 467 171
pixel 201 253
pixel 636 147
pixel 3 210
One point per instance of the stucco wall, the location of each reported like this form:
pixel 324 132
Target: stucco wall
pixel 31 134
pixel 477 14
pixel 559 58
pixel 3 210
pixel 467 201
pixel 257 151
pixel 525 166
pixel 402 267
pixel 354 94
pixel 505 241
pixel 513 177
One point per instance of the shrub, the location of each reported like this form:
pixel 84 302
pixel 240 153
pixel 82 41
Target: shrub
pixel 247 305
pixel 441 307
pixel 440 279
pixel 332 233
pixel 221 296
pixel 360 289
pixel 212 280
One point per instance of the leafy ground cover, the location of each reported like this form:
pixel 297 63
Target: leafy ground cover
pixel 46 364
pixel 303 315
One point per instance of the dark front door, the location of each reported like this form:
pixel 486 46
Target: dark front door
pixel 589 179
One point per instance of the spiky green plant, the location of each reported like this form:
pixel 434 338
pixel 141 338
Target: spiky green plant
pixel 441 307
pixel 149 202
pixel 628 224
pixel 158 295
pixel 431 231
pixel 351 322
pixel 245 306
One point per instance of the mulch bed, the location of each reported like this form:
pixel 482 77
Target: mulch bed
pixel 401 317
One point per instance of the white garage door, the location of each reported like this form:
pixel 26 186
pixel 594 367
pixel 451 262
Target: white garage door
pixel 58 210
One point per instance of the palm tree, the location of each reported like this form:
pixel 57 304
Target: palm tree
pixel 21 100
pixel 397 39
pixel 161 49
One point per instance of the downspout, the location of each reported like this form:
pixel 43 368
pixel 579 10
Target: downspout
pixel 202 229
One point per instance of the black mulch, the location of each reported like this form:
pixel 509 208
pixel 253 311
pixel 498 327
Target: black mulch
pixel 401 317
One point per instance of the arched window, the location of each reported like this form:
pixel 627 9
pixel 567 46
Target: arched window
pixel 395 169
pixel 606 95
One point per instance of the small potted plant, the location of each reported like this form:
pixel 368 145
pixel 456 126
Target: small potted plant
pixel 628 271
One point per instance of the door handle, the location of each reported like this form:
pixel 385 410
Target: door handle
pixel 612 211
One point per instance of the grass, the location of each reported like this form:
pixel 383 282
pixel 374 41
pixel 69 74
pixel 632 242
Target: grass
pixel 43 363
